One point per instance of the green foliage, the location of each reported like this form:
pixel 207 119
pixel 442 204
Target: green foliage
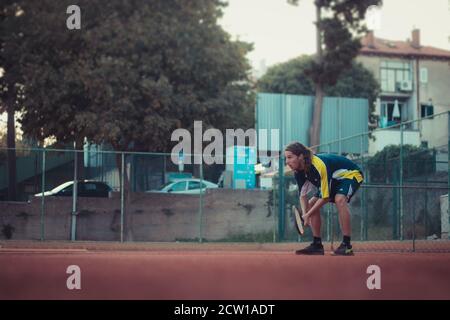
pixel 384 166
pixel 340 25
pixel 135 71
pixel 288 78
pixel 340 31
pixel 11 89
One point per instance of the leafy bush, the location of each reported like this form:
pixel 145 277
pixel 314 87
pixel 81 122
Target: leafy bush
pixel 384 166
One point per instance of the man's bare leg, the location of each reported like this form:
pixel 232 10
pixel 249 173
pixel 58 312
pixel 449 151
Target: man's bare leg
pixel 344 214
pixel 314 220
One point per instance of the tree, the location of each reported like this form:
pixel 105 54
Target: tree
pixel 135 71
pixel 30 54
pixel 290 78
pixel 11 82
pixel 338 43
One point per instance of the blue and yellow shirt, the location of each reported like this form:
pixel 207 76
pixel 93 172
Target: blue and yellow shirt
pixel 324 169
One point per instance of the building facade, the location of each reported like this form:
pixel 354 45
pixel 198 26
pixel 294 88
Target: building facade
pixel 415 83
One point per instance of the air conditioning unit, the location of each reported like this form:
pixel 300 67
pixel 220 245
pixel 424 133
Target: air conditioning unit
pixel 405 85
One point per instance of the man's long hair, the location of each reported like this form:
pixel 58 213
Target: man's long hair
pixel 297 148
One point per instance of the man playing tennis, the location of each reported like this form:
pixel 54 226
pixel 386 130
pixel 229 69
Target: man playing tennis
pixel 337 179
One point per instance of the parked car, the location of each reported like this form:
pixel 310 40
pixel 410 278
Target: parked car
pixel 86 188
pixel 186 186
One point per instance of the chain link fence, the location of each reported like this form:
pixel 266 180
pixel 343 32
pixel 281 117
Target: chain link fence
pixel 98 195
pixel 402 204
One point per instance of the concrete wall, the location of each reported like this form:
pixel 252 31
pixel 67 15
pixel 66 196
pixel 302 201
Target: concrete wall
pixel 372 64
pixel 435 131
pixel 445 229
pixel 437 87
pixel 153 216
pixel 238 215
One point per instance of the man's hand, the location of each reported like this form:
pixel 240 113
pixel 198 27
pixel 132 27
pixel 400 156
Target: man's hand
pixel 315 209
pixel 307 217
pixel 307 220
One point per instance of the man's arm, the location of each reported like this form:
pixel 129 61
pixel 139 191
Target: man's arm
pixel 304 203
pixel 306 188
pixel 315 208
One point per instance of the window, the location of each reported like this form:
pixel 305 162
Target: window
pixel 426 110
pixel 391 115
pixel 90 187
pixel 180 186
pixel 68 190
pixel 193 185
pixel 392 73
pixel 423 75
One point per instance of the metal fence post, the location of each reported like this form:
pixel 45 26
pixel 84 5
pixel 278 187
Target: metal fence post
pixel 339 126
pixel 362 203
pixel 426 206
pixel 74 198
pixel 401 183
pixel 281 206
pixel 395 215
pixel 414 224
pixel 122 195
pixel 200 218
pixel 329 216
pixel 43 197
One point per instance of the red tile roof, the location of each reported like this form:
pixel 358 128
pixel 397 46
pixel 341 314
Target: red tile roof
pixel 385 47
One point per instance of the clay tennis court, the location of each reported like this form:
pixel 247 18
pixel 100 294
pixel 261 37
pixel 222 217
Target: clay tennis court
pixel 37 270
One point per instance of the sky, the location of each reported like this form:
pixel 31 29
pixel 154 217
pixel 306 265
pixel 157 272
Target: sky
pixel 280 31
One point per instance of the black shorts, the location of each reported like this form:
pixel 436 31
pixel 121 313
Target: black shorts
pixel 346 187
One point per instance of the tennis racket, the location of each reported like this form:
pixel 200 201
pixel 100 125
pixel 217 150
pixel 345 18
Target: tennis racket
pixel 299 222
